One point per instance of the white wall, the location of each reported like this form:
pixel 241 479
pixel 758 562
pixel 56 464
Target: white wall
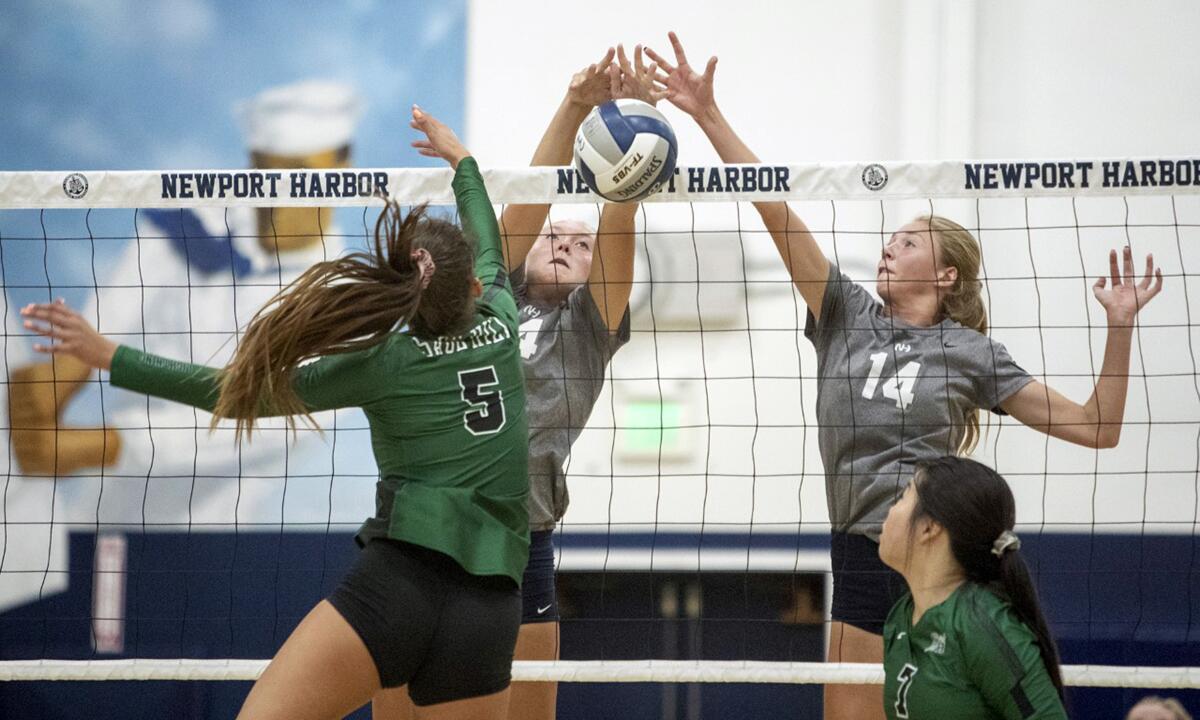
pixel 1104 78
pixel 876 80
pixel 866 79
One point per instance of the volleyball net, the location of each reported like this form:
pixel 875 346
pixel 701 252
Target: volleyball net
pixel 695 549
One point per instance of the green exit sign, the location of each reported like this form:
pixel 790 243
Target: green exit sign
pixel 651 426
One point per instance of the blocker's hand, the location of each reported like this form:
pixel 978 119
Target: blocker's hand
pixel 1124 297
pixel 687 89
pixel 635 80
pixel 590 86
pixel 69 334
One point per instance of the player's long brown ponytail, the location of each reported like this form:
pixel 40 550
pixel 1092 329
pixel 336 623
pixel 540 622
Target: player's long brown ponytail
pixel 963 302
pixel 420 273
pixel 976 507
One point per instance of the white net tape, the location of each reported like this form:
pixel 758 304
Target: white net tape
pixel 591 671
pixel 724 183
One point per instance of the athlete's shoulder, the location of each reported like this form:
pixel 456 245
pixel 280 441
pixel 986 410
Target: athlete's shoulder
pixel 499 306
pixel 969 345
pixel 901 612
pixel 982 615
pixel 398 348
pixel 954 332
pixel 898 620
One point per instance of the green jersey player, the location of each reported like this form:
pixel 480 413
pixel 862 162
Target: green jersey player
pixel 433 600
pixel 969 641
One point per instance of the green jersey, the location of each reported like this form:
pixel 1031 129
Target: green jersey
pixel 969 658
pixel 447 414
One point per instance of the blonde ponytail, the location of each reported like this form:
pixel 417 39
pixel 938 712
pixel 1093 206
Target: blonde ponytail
pixel 963 302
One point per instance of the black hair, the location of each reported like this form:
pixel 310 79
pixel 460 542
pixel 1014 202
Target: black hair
pixel 975 506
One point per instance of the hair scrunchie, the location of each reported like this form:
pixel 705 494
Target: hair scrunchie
pixel 1008 540
pixel 424 262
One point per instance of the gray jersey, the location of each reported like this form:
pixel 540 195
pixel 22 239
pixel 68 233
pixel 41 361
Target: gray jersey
pixel 890 394
pixel 566 350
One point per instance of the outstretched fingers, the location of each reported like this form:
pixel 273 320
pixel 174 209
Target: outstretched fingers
pixel 1127 262
pixel 657 91
pixel 1149 270
pixel 420 121
pixel 607 59
pixel 662 62
pixel 57 312
pixel 1152 281
pixel 623 60
pixel 677 46
pixel 54 321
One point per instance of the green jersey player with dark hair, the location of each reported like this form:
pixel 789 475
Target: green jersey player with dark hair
pixel 433 600
pixel 969 640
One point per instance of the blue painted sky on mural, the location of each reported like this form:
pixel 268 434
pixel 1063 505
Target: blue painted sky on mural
pixel 128 84
pixel 135 85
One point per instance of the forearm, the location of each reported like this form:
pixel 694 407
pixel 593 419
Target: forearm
pixel 806 264
pixel 611 278
pixel 194 385
pixel 730 148
pixel 478 218
pixel 521 224
pixel 1097 422
pixel 555 147
pixel 1106 407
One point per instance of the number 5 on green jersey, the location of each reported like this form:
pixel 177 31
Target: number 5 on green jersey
pixel 486 406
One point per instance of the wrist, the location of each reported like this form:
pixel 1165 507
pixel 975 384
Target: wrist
pixel 709 118
pixel 1121 322
pixel 616 211
pixel 575 107
pixel 106 358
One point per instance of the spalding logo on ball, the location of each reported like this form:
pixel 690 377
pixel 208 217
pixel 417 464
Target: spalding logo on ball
pixel 625 150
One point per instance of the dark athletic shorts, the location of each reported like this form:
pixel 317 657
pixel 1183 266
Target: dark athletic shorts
pixel 864 589
pixel 539 600
pixel 429 624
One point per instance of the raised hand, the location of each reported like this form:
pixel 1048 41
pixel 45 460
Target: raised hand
pixel 687 90
pixel 1123 298
pixel 69 334
pixel 635 81
pixel 440 141
pixel 590 86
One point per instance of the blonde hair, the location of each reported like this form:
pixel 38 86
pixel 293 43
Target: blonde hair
pixel 1170 704
pixel 963 302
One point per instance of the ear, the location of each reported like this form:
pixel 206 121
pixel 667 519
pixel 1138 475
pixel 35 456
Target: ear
pixel 947 276
pixel 476 287
pixel 928 531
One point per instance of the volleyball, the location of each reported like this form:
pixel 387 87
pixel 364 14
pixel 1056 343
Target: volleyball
pixel 625 149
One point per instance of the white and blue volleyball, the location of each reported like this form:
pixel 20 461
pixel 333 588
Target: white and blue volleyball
pixel 625 150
